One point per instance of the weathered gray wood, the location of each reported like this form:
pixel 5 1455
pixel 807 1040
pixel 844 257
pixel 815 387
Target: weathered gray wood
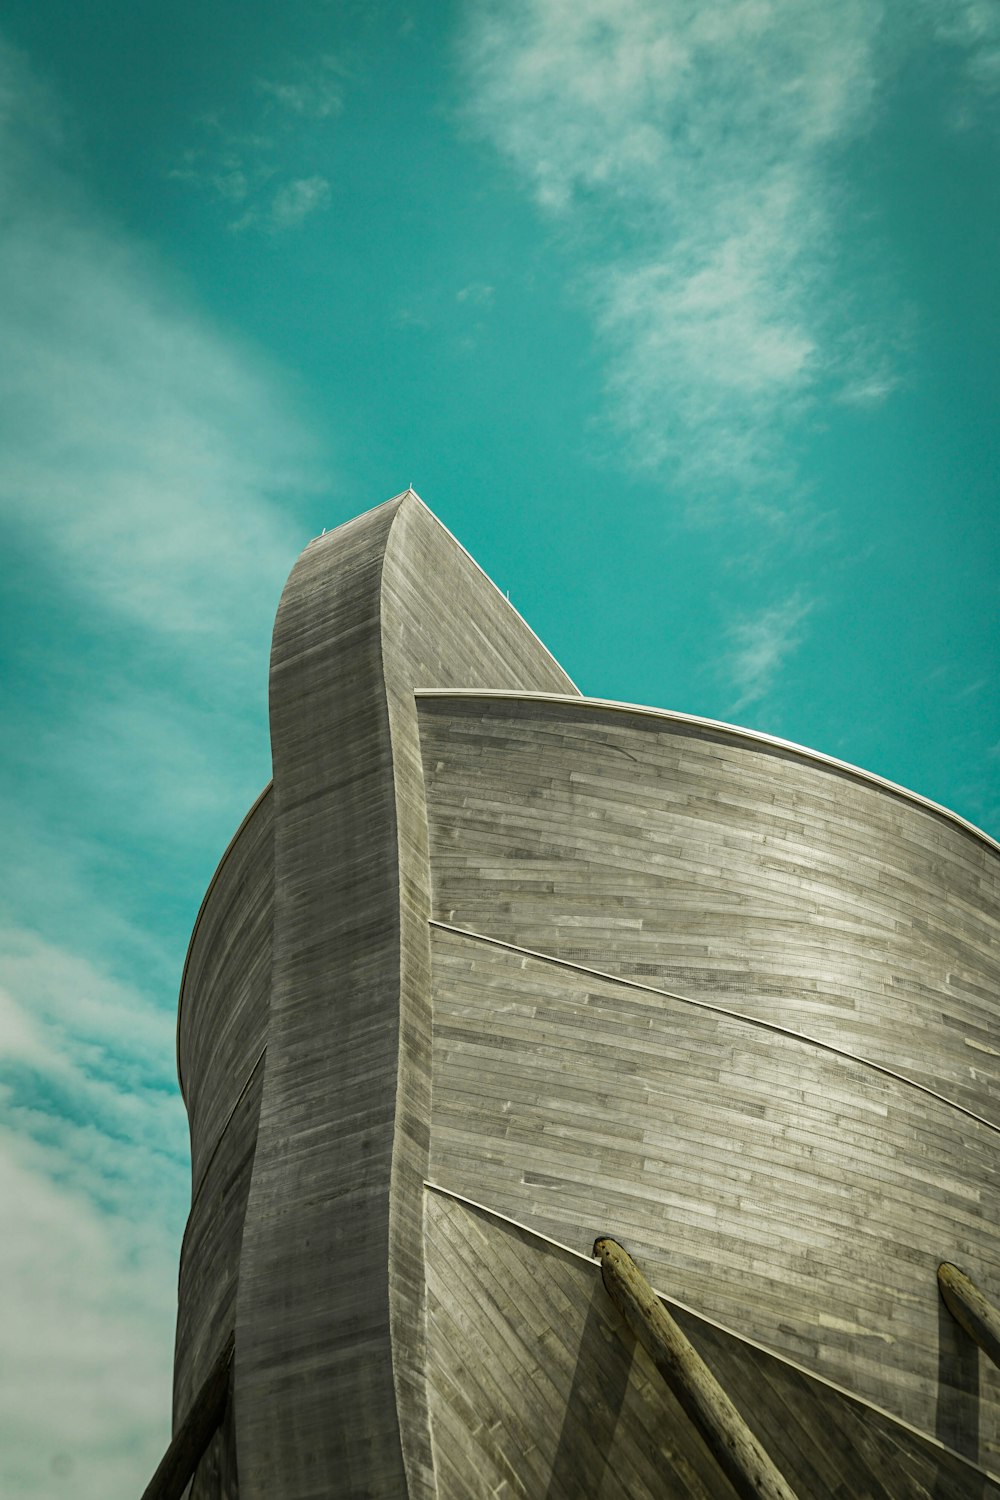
pixel 538 1390
pixel 178 1464
pixel 222 1026
pixel 331 1290
pixel 741 1458
pixel 809 1197
pixel 210 1252
pixel 971 1309
pixel 726 869
pixel 226 987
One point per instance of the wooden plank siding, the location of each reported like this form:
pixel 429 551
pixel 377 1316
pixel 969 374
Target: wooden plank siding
pixel 723 868
pixel 539 1391
pixel 607 974
pixel 226 990
pixel 793 1195
pixel 796 1193
pixel 222 1027
pixel 330 1367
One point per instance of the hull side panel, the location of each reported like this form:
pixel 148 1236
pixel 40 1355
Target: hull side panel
pixel 331 1296
pixel 312 1314
pixel 539 1390
pixel 443 625
pixel 222 1023
pixel 222 1029
pixel 795 1196
pixel 723 870
pixel 210 1254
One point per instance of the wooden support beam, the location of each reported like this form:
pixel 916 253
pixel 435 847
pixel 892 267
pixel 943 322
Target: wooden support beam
pixel 970 1309
pixel 733 1446
pixel 177 1466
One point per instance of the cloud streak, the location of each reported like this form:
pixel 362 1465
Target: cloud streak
pixel 151 473
pixel 317 93
pixel 759 645
pixel 296 200
pixel 693 153
pixel 93 1167
pixel 260 170
pixel 126 442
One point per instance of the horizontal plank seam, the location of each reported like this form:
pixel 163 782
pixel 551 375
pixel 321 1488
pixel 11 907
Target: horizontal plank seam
pixel 736 731
pixel 740 1338
pixel 719 1010
pixel 196 1193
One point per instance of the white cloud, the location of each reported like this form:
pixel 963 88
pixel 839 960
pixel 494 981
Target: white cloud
pixel 706 137
pixel 317 93
pixel 478 293
pixel 760 644
pixel 257 168
pixel 142 444
pixel 153 466
pixel 85 1338
pixel 692 150
pixel 149 471
pixel 93 1171
pixel 296 200
pixel 973 26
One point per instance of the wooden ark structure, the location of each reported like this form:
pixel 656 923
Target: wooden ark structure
pixel 492 969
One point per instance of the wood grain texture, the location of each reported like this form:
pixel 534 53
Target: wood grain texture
pixel 970 1309
pixel 797 1197
pixel 330 1366
pixel 749 1468
pixel 210 1253
pixel 726 870
pixel 222 1026
pixel 806 1199
pixel 539 1392
pixel 388 1345
pixel 225 994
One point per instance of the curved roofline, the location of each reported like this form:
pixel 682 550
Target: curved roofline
pixel 412 494
pixel 755 736
pixel 504 596
pixel 197 923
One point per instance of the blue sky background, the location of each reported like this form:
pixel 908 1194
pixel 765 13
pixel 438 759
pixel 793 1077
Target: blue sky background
pixel 683 317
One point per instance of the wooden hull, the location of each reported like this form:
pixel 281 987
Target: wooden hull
pixel 493 969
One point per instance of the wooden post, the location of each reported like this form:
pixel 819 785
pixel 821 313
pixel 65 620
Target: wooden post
pixel 970 1309
pixel 193 1436
pixel 730 1441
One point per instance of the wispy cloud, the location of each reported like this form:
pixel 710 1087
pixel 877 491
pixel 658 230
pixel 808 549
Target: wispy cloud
pixel 257 166
pixel 230 168
pixel 93 1169
pixel 759 646
pixel 973 26
pixel 296 200
pixel 477 293
pixel 150 475
pixel 693 153
pixel 316 93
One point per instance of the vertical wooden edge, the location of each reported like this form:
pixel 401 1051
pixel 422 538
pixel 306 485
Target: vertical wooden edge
pixel 177 1467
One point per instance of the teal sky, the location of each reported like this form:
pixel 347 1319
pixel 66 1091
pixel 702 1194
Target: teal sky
pixel 684 318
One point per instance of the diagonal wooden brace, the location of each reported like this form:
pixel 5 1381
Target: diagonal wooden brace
pixel 970 1309
pixel 193 1436
pixel 733 1446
